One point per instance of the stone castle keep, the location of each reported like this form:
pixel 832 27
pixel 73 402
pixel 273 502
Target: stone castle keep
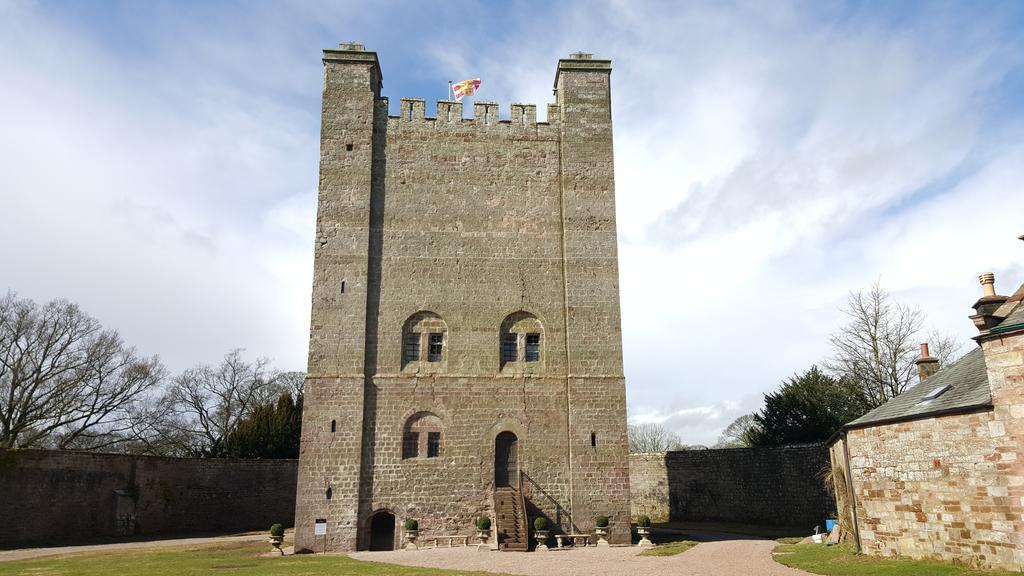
pixel 465 349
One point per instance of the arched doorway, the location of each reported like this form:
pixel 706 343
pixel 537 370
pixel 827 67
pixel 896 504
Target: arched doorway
pixel 382 531
pixel 506 460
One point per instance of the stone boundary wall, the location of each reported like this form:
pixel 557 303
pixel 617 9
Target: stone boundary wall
pixel 772 486
pixel 55 497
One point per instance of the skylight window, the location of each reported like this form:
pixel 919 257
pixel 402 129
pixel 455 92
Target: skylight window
pixel 936 392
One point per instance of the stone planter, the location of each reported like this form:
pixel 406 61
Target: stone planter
pixel 410 539
pixel 541 536
pixel 276 542
pixel 644 532
pixel 602 535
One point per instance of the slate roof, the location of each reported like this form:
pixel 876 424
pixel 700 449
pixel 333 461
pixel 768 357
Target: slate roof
pixel 1012 312
pixel 1011 322
pixel 1015 318
pixel 968 378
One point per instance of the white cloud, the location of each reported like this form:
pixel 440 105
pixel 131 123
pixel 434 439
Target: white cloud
pixel 768 161
pixel 770 157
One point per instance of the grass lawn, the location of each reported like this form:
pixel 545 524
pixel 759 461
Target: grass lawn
pixel 842 561
pixel 235 558
pixel 669 549
pixel 770 532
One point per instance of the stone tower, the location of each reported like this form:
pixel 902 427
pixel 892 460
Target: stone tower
pixel 465 354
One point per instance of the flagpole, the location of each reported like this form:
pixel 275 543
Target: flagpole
pixel 449 90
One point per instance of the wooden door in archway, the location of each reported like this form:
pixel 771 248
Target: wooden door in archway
pixel 506 460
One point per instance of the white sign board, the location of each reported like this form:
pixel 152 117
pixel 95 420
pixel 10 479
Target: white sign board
pixel 320 527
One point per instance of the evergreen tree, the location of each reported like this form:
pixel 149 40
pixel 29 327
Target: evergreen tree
pixel 271 431
pixel 809 407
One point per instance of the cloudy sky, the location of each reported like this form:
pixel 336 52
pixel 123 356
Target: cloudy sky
pixel 158 165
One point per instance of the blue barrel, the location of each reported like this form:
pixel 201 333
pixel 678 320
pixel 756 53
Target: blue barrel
pixel 830 524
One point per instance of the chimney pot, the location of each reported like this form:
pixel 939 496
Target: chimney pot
pixel 926 365
pixel 988 283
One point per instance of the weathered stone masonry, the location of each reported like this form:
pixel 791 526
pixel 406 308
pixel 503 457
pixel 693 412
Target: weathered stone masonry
pixel 469 229
pixel 56 497
pixel 771 486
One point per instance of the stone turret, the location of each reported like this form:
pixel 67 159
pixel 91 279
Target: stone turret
pixel 465 332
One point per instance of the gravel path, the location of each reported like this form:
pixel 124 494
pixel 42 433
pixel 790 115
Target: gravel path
pixel 716 555
pixel 727 557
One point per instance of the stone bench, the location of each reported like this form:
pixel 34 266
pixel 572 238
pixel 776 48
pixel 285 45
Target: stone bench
pixel 573 539
pixel 450 539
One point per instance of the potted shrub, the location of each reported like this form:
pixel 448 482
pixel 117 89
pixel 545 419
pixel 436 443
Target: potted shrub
pixel 540 533
pixel 602 530
pixel 277 537
pixel 643 528
pixel 412 531
pixel 483 527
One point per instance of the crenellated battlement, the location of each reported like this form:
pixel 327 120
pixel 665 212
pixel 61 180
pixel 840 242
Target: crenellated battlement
pixel 484 113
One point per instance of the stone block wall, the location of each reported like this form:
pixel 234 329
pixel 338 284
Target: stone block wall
pixel 771 486
pixel 933 488
pixel 472 222
pixel 57 497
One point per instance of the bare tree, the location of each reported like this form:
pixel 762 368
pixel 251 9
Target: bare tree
pixel 209 401
pixel 650 438
pixel 292 383
pixel 943 347
pixel 737 434
pixel 878 345
pixel 64 380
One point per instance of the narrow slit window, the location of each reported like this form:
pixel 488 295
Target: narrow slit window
pixel 412 347
pixel 487 116
pixel 593 439
pixel 342 286
pixel 449 112
pixel 532 347
pixel 330 493
pixel 509 347
pixel 348 147
pixel 334 425
pixel 435 347
pixel 433 444
pixel 410 112
pixel 524 116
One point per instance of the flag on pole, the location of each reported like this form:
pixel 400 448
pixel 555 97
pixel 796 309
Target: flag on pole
pixel 466 88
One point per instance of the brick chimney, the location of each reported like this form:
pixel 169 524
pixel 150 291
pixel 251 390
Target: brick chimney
pixel 926 365
pixel 984 317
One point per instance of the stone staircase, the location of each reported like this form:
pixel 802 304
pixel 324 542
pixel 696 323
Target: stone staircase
pixel 511 519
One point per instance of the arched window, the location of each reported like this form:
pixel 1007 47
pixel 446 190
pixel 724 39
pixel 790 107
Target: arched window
pixel 522 342
pixel 424 342
pixel 422 436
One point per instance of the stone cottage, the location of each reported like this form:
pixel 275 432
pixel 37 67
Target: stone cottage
pixel 938 471
pixel 465 354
